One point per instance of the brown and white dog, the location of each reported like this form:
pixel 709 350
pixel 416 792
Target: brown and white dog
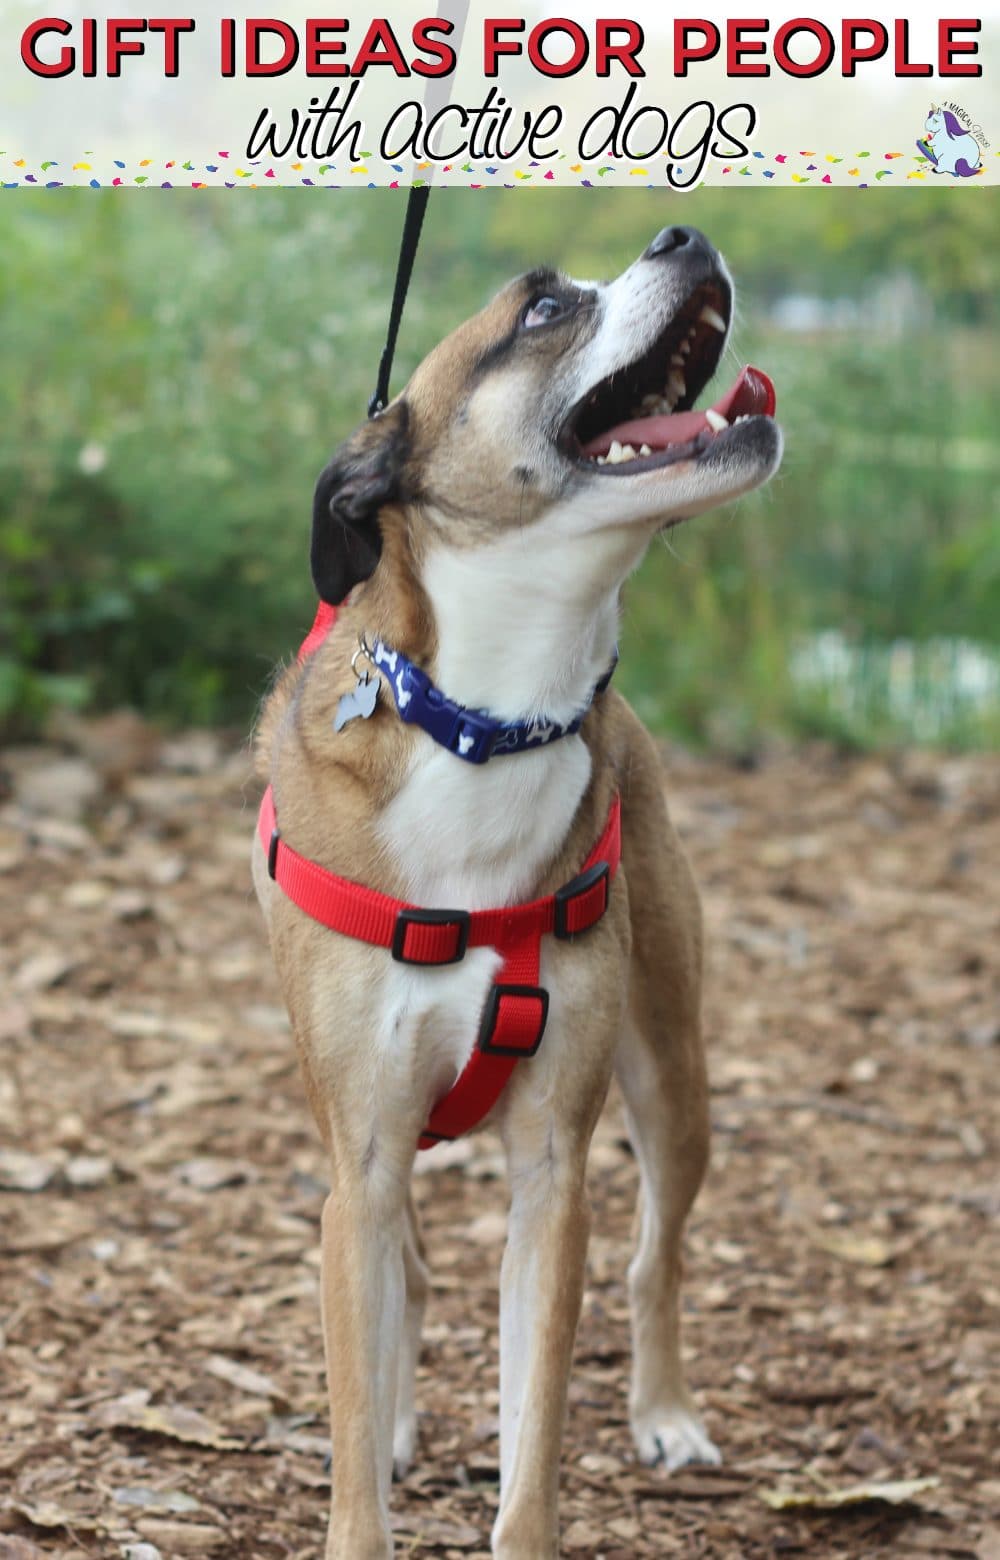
pixel 484 525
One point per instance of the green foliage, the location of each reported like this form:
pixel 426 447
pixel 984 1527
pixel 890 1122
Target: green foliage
pixel 177 369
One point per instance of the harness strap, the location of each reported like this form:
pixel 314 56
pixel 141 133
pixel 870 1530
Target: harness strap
pixel 513 1020
pixel 436 937
pixel 326 616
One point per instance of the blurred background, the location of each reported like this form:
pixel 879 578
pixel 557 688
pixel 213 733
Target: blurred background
pixel 175 373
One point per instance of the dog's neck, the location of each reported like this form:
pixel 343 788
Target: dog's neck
pixel 516 633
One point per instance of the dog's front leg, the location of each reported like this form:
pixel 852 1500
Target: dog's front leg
pixel 541 1288
pixel 363 1295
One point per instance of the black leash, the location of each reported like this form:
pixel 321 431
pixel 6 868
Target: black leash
pixel 416 208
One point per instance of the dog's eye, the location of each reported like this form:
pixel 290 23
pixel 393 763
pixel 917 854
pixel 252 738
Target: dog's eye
pixel 543 311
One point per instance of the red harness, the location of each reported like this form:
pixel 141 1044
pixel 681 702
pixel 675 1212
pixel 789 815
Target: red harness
pixel 513 1019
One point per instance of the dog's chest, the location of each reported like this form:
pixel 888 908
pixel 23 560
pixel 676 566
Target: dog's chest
pixel 469 838
pixel 476 837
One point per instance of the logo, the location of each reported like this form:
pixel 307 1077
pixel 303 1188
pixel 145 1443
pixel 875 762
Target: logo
pixel 951 143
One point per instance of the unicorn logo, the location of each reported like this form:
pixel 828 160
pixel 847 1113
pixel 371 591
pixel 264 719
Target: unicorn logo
pixel 948 147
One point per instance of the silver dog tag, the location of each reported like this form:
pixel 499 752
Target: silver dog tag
pixel 360 701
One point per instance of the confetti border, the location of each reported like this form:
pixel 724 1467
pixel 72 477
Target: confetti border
pixel 862 170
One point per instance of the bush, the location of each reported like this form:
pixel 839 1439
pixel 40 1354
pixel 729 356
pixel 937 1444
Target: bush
pixel 176 371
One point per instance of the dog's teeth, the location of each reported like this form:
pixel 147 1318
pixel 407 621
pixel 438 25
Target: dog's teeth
pixel 646 450
pixel 614 453
pixel 602 460
pixel 744 418
pixel 685 347
pixel 676 386
pixel 677 360
pixel 651 403
pixel 628 453
pixel 710 316
pixel 716 420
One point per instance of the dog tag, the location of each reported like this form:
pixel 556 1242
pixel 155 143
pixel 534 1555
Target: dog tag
pixel 360 701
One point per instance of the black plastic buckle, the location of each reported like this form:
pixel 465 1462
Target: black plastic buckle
pixel 576 887
pixel 272 854
pixel 491 1014
pixel 473 737
pixel 457 918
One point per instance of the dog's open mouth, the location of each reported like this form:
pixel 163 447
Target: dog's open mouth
pixel 641 418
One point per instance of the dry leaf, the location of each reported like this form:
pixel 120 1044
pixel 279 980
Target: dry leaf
pixel 895 1492
pixel 13 849
pixel 181 1538
pixel 43 969
pixel 62 788
pixel 866 1250
pixel 583 1535
pixel 598 1463
pixel 87 1170
pixel 26 1172
pixel 14 1548
pixel 242 1377
pixel 135 1412
pixel 48 1514
pixel 22 1231
pixel 698 1486
pixel 490 1229
pixel 15 1021
pixel 454 1535
pixel 149 1499
pixel 210 1175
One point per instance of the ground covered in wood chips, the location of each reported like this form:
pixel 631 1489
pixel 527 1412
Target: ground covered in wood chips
pixel 161 1391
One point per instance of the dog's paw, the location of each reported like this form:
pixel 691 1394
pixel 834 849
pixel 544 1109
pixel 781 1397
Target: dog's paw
pixel 404 1443
pixel 672 1438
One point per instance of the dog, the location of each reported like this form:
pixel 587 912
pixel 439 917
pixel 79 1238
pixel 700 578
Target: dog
pixel 480 529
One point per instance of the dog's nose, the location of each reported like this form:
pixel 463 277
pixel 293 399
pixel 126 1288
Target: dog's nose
pixel 673 238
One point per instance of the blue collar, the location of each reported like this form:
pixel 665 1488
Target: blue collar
pixel 470 734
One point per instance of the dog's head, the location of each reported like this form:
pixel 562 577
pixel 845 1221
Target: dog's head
pixel 566 406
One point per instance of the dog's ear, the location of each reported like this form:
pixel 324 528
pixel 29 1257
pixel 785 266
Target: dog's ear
pixel 365 474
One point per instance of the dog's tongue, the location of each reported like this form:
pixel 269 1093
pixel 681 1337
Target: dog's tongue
pixel 752 395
